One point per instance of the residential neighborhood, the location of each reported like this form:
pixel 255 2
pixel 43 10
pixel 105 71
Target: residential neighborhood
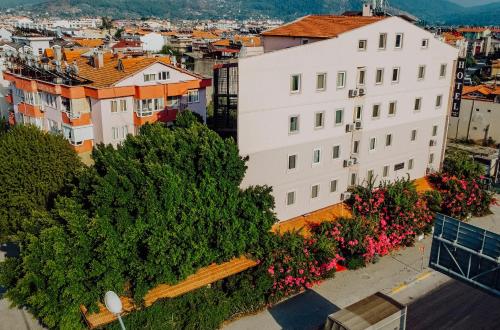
pixel 333 170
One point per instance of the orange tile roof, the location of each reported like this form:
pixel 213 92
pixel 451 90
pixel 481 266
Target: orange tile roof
pixel 223 43
pixel 473 29
pixel 70 55
pixel 204 35
pixel 248 41
pixel 452 37
pixel 321 26
pixel 90 43
pixel 482 89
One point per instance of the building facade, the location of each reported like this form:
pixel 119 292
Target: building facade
pixel 342 101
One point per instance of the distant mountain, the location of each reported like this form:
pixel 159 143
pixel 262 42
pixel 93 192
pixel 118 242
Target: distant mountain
pixel 472 3
pixel 432 11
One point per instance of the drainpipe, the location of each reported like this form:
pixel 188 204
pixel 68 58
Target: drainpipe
pixel 470 119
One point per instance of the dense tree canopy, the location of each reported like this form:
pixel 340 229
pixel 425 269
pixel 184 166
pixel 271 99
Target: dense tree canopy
pixel 163 205
pixel 34 166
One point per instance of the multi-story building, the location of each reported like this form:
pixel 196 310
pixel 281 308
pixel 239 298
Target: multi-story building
pixel 101 98
pixel 479 117
pixel 336 101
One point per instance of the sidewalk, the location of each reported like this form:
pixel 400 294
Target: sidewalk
pixel 391 275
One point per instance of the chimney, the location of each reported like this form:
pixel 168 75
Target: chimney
pixel 367 9
pixel 57 52
pixel 98 59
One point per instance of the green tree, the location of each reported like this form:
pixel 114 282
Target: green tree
pixel 34 167
pixel 462 165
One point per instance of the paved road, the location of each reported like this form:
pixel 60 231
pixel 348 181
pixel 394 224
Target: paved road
pixel 456 306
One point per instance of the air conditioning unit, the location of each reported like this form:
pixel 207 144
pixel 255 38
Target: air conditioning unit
pixel 349 128
pixel 348 162
pixel 432 143
pixel 345 196
pixel 354 160
pixel 358 124
pixel 361 91
pixel 353 92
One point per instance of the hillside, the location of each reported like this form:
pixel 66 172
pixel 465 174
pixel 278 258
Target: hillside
pixel 432 11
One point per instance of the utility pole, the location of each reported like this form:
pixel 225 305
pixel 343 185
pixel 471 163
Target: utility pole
pixel 470 119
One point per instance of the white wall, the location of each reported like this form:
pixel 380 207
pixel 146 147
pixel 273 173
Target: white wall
pixel 152 42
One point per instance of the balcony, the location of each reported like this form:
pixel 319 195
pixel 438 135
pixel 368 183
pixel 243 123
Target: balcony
pixel 30 110
pixel 74 119
pixel 145 118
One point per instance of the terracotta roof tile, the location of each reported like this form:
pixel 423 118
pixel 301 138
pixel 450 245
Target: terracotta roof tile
pixel 204 34
pixel 321 26
pixel 90 43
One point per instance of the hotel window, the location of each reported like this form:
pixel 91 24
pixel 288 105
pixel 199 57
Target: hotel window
pixel 379 76
pixel 413 136
pixel 425 43
pixel 376 111
pixel 370 176
pixel 410 164
pixel 392 108
pixel 336 152
pixel 385 172
pixel 295 83
pixel 355 147
pixel 315 191
pixel 123 105
pixel 114 106
pixel 149 77
pixel 354 179
pixel 115 133
pixel 421 72
pixel 373 144
pixel 431 158
pixel 382 41
pixel 290 198
pixel 434 130
pixel 341 78
pixel 293 124
pixel 442 71
pixel 388 140
pixel 124 131
pixel 292 162
pixel 362 44
pixel 333 186
pixel 418 104
pixel 193 96
pixel 316 156
pixel 321 81
pixel 361 76
pixel 339 116
pixel 395 74
pixel 319 119
pixel 439 101
pixel 164 75
pixel 399 41
pixel 358 112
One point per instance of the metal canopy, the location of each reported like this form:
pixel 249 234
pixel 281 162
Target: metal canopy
pixel 467 253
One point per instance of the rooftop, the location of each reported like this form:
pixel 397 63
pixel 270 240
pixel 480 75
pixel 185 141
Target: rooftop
pixel 322 26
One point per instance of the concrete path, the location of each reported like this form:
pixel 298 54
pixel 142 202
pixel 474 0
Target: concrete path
pixel 403 275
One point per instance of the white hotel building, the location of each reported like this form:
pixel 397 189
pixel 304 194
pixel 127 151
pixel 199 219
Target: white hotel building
pixel 335 100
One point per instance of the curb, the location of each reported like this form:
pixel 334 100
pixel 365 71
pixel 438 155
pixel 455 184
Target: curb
pixel 420 277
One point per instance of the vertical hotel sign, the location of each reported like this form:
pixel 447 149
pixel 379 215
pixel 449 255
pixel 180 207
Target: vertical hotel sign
pixel 459 85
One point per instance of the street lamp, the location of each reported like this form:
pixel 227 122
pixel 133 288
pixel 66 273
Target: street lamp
pixel 114 305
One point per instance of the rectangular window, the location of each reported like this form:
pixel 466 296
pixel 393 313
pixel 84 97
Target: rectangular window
pixel 341 78
pixel 418 104
pixel 290 198
pixel 336 152
pixel 355 147
pixel 321 81
pixel 358 112
pixel 392 108
pixel 410 164
pixel 362 44
pixel 425 43
pixel 333 186
pixel 319 119
pixel 421 72
pixel 315 191
pixel 149 77
pixel 361 76
pixel 114 106
pixel 115 133
pixel 163 75
pixel 193 96
pixel 385 173
pixel 316 156
pixel 442 71
pixel 399 41
pixel 373 144
pixel 395 75
pixel 370 176
pixel 413 136
pixel 434 130
pixel 379 76
pixel 382 41
pixel 354 179
pixel 339 116
pixel 431 158
pixel 293 124
pixel 376 111
pixel 292 162
pixel 295 83
pixel 124 132
pixel 123 105
pixel 388 140
pixel 439 101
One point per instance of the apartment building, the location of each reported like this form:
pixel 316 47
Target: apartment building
pixel 479 117
pixel 100 98
pixel 336 101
